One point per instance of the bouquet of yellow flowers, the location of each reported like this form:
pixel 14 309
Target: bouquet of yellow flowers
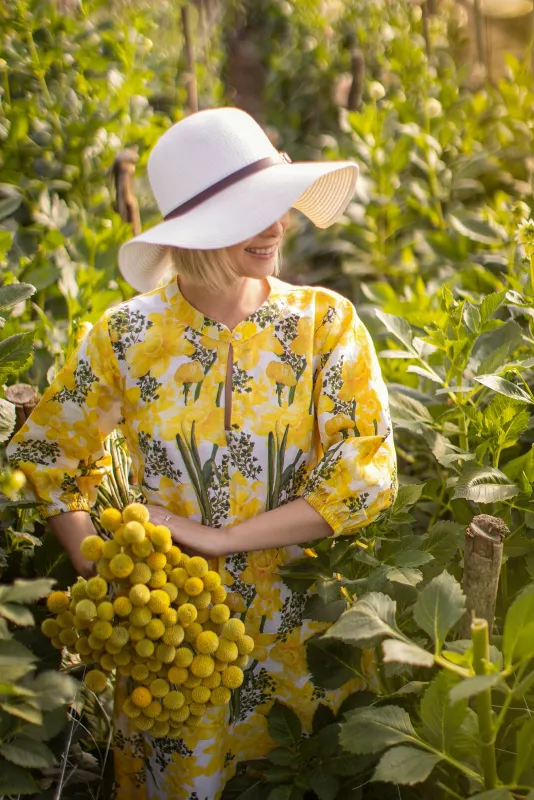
pixel 156 616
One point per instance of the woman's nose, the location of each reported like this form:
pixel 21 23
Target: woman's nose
pixel 278 227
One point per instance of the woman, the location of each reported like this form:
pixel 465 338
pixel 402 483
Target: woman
pixel 254 412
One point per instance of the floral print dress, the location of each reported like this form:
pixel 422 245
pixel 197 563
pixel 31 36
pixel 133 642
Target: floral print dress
pixel 308 418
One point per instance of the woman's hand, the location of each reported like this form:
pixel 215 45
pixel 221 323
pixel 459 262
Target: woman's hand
pixel 70 529
pixel 192 537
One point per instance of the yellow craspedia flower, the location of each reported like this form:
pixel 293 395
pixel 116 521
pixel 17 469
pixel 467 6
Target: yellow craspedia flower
pixel 105 611
pixel 96 681
pixel 66 618
pixel 133 533
pixel 178 577
pixel 192 631
pixel 68 636
pixel 181 714
pixel 143 723
pixel 149 527
pixel 174 556
pixel 118 536
pixel 173 635
pixel 202 600
pixel 122 606
pixel 183 657
pixel 121 566
pixel 155 629
pixel 154 709
pixel 107 662
pixel 203 615
pixel 102 567
pixel 154 665
pixel 77 591
pixel 96 588
pixel 232 677
pixel 50 628
pixel 219 614
pixel 212 681
pixel 187 614
pixel 174 700
pixel 161 538
pixel 233 629
pixel 160 730
pixel 218 595
pixel 143 549
pixel 197 567
pixel 136 512
pixel 141 573
pixel 57 602
pixel 194 586
pixel 220 696
pixel 182 598
pixel 96 645
pixel 141 697
pixel 193 721
pixel 187 694
pixel 139 595
pixel 119 636
pixel 122 658
pixel 164 715
pixel 202 666
pixel 102 630
pixel 82 646
pixel 56 642
pixel 159 601
pixel 144 648
pixel 178 675
pixel 159 687
pixel 227 650
pixel 171 590
pixel 110 548
pixel 200 694
pixel 158 579
pixel 169 617
pixel 112 648
pixel 207 642
pixel 156 561
pixel 91 548
pixel 131 710
pixel 211 580
pixel 165 652
pixel 184 558
pixel 242 662
pixel 140 617
pixel 140 672
pixel 80 624
pixel 175 733
pixel 192 681
pixel 86 610
pixel 110 519
pixel 197 709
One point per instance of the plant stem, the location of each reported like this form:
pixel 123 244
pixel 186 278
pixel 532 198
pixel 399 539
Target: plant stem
pixel 480 638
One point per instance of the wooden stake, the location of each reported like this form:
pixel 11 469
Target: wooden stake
pixel 126 201
pixel 482 567
pixel 24 397
pixel 191 79
pixel 479 22
pixel 357 69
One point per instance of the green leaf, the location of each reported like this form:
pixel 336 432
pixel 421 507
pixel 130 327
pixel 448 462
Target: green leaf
pixel 15 780
pixel 490 304
pixel 54 689
pixel 15 353
pixel 7 419
pixel 52 724
pixel 332 662
pixel 14 653
pixel 405 765
pixel 406 653
pixel 505 387
pixel 493 794
pixel 284 726
pixel 26 752
pixel 515 644
pixel 245 787
pixel 23 711
pixel 469 687
pixel 476 230
pixel 524 750
pixel 27 591
pixel 280 793
pixel 407 497
pixel 484 485
pixel 367 622
pixel 370 730
pixel 17 614
pixel 412 558
pixel 281 756
pixel 320 611
pixel 441 721
pixel 323 716
pixel 324 786
pixel 398 327
pixel 439 606
pixel 405 575
pixel 14 293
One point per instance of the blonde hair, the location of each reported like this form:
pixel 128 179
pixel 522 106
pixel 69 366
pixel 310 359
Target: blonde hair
pixel 212 269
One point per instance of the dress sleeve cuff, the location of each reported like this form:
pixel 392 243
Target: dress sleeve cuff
pixel 326 511
pixel 76 503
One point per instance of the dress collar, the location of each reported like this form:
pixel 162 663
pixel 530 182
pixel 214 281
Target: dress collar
pixel 265 315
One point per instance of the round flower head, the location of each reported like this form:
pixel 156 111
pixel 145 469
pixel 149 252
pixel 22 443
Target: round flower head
pixel 110 549
pixel 110 519
pixel 197 567
pixel 141 697
pixel 57 602
pixel 121 566
pixel 96 588
pixel 91 548
pixel 136 512
pixel 96 681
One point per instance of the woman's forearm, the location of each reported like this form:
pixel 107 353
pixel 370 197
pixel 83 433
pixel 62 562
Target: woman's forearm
pixel 70 529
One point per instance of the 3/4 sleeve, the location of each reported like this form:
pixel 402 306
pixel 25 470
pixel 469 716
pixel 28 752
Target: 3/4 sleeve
pixel 59 448
pixel 356 477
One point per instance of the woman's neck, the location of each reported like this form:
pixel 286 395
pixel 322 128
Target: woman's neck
pixel 230 306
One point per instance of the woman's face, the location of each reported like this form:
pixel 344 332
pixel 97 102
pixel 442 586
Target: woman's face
pixel 256 257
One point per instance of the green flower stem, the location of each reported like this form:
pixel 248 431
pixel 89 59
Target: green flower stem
pixel 461 671
pixel 480 638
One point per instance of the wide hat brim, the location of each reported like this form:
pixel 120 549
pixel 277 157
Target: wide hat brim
pixel 321 191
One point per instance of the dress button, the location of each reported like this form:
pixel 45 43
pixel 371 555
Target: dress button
pixel 238 335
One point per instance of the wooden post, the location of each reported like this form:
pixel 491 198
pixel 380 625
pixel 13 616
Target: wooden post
pixel 191 79
pixel 482 567
pixel 126 201
pixel 357 69
pixel 24 397
pixel 479 22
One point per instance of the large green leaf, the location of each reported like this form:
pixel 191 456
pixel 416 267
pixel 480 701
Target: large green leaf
pixel 332 662
pixel 54 689
pixel 398 327
pixel 367 622
pixel 474 229
pixel 7 419
pixel 17 614
pixel 441 721
pixel 490 304
pixel 14 293
pixel 439 607
pixel 15 780
pixel 524 750
pixel 484 485
pixel 26 752
pixel 406 653
pixel 502 386
pixel 469 687
pixel 515 644
pixel 22 591
pixel 284 726
pixel 52 724
pixel 317 609
pixel 370 730
pixel 15 353
pixel 405 765
pixel 325 786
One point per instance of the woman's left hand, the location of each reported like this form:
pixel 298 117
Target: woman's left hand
pixel 192 537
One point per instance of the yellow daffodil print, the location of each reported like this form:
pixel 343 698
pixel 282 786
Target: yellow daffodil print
pixel 189 374
pixel 282 375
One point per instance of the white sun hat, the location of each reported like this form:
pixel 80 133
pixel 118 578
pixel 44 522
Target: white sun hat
pixel 219 181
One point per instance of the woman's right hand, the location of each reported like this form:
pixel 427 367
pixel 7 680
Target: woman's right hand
pixel 70 529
